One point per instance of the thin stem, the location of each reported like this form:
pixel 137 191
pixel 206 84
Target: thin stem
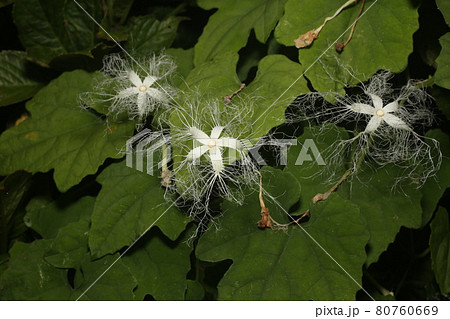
pixel 308 38
pixel 323 196
pixel 341 45
pixel 228 99
pixel 266 220
pixel 345 5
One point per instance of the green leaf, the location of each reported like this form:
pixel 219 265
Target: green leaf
pixel 441 77
pixel 17 82
pixel 277 265
pixel 166 265
pixel 444 7
pixel 47 217
pixel 194 291
pixel 29 277
pixel 377 42
pixel 70 245
pixel 115 16
pixel 278 81
pixel 217 77
pixel 117 283
pixel 12 191
pixel 385 209
pixel 440 249
pixel 229 28
pixel 148 34
pixel 62 136
pixel 435 187
pixel 48 29
pixel 128 203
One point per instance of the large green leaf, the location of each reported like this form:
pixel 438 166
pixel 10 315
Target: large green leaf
pixel 440 249
pixel 382 39
pixel 49 28
pixel 70 245
pixel 278 81
pixel 385 209
pixel 278 265
pixel 117 283
pixel 184 60
pixel 217 77
pixel 30 277
pixel 166 265
pixel 229 28
pixel 46 216
pixel 435 186
pixel 61 136
pixel 441 77
pixel 151 35
pixel 17 81
pixel 129 202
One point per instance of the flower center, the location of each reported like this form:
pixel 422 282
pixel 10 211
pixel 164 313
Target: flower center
pixel 380 113
pixel 211 143
pixel 142 88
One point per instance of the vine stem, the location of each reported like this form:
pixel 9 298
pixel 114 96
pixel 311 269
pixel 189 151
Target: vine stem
pixel 323 196
pixel 266 220
pixel 341 45
pixel 307 39
pixel 345 5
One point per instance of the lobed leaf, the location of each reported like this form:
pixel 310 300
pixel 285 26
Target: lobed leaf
pixel 47 217
pixel 229 28
pixel 148 34
pixel 48 28
pixel 129 202
pixel 382 39
pixel 277 265
pixel 166 265
pixel 279 81
pixel 384 209
pixel 30 277
pixel 62 136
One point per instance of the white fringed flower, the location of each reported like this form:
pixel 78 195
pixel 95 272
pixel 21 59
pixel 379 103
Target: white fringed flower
pixel 134 88
pixel 210 152
pixel 385 123
pixel 143 92
pixel 213 145
pixel 379 114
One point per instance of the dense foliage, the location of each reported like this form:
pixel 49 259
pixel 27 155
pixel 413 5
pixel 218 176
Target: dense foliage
pixel 70 206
